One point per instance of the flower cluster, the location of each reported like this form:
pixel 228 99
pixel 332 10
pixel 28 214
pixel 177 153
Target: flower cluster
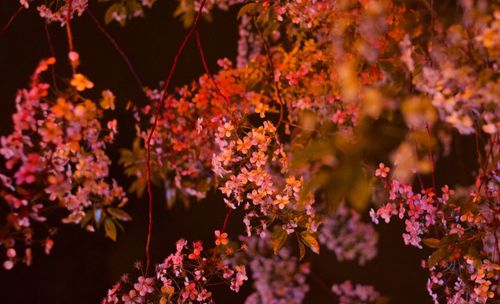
pixel 184 141
pixel 187 9
pixel 421 209
pixel 461 84
pixel 287 134
pixel 58 12
pixel 463 229
pixel 359 294
pixel 183 277
pixel 123 10
pixel 254 173
pixel 251 167
pixel 320 79
pixel 119 10
pixel 277 278
pixel 344 233
pixel 302 91
pixel 475 286
pixel 249 44
pixel 55 158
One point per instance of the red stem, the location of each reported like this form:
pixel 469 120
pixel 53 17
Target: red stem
pixel 118 49
pixel 153 128
pixel 225 220
pixel 52 54
pixel 228 213
pixel 323 285
pixel 68 31
pixel 11 19
pixel 203 60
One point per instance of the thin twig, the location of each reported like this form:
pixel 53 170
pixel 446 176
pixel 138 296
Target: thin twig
pixel 224 225
pixel 69 34
pixel 226 219
pixel 52 54
pixel 11 19
pixel 207 71
pixel 322 285
pixel 159 106
pixel 205 66
pixel 271 68
pixel 118 49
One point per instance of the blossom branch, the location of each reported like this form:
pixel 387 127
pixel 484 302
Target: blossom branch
pixel 205 66
pixel 52 54
pixel 271 67
pixel 70 35
pixel 153 128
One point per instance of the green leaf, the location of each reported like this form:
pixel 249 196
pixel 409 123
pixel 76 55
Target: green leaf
pixel 310 241
pixel 119 214
pixel 317 150
pixel 246 9
pixel 86 219
pixel 302 250
pixel 110 229
pixel 317 180
pixel 139 187
pixel 134 7
pixel 437 256
pixel 431 242
pixel 119 226
pixel 473 253
pixel 279 238
pixel 117 7
pixel 186 12
pixel 360 192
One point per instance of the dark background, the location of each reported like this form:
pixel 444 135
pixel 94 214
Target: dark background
pixel 84 265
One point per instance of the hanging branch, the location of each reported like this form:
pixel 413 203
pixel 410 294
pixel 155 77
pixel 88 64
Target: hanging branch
pixel 205 66
pixel 52 54
pixel 117 48
pixel 11 19
pixel 70 35
pixel 214 81
pixel 153 128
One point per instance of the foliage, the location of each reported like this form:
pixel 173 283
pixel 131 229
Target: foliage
pixel 55 159
pixel 321 95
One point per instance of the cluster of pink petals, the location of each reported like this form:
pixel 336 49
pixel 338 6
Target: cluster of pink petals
pixel 54 159
pixel 277 278
pixel 184 141
pixel 359 294
pixel 465 266
pixel 183 277
pixel 58 12
pixel 344 233
pixel 254 173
